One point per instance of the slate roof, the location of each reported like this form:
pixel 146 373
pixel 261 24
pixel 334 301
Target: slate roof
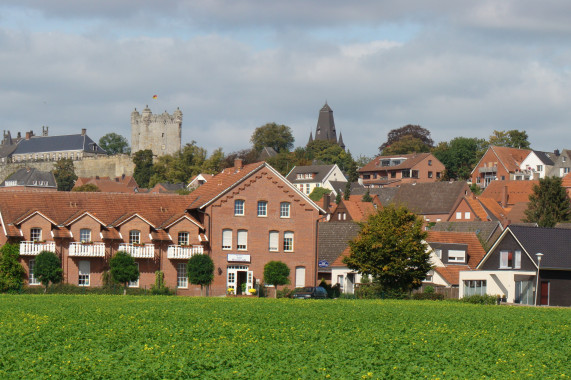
pixel 40 144
pixel 486 230
pixel 430 197
pixel 320 172
pixel 339 186
pixel 333 239
pixel 385 194
pixel 165 187
pixel 544 157
pixel 325 129
pixel 267 152
pixel 410 161
pixel 518 191
pixel 31 177
pixel 554 243
pixel 517 212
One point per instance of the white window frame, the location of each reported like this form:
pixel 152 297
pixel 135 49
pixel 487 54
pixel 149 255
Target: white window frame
pixel 135 284
pixel 467 215
pixel 438 253
pixel 505 261
pixel 285 208
pixel 181 276
pixel 475 287
pixel 85 235
pixel 288 241
pixel 242 240
pixel 32 279
pixel 459 215
pixel 84 279
pixel 226 239
pixel 262 208
pixel 183 238
pixel 239 207
pixel 35 234
pixel 456 256
pixel 134 237
pixel 274 241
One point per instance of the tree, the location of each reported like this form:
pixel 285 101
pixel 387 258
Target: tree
pixel 87 188
pixel 123 269
pixel 143 161
pixel 318 192
pixel 11 271
pixel 64 174
pixel 416 131
pixel 406 145
pixel 512 139
pixel 367 197
pixel 201 270
pixel 248 156
pixel 48 269
pixel 391 248
pixel 278 137
pixel 113 143
pixel 548 204
pixel 276 273
pixel 460 155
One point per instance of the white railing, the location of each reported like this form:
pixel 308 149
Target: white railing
pixel 145 251
pixel 87 250
pixel 181 252
pixel 31 248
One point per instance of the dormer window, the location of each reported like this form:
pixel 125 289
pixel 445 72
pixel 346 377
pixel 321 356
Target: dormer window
pixel 35 234
pixel 456 256
pixel 134 237
pixel 300 176
pixel 85 235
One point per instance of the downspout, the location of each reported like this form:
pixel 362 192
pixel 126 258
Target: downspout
pixel 316 248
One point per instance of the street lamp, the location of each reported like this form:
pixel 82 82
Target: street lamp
pixel 539 256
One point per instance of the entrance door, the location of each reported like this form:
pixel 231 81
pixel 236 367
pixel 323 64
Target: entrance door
pixel 544 300
pixel 250 282
pixel 242 279
pixel 350 283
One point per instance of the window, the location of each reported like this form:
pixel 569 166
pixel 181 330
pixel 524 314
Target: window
pixel 299 176
pixel 458 215
pixel 414 173
pixel 135 284
pixel 262 208
pixel 181 276
pixel 429 276
pixel 227 239
pixel 84 272
pixel 467 215
pixel 474 287
pixel 339 216
pixel 32 280
pixel 85 235
pixel 239 207
pixel 35 234
pixel 134 237
pixel 242 240
pixel 429 162
pixel 340 282
pixel 284 210
pixel 524 292
pixel 307 188
pixel 344 216
pixel 183 238
pixel 429 174
pixel 437 174
pixel 274 240
pixel 438 253
pixel 539 168
pixel 456 256
pixel 288 241
pixel 393 174
pixel 509 260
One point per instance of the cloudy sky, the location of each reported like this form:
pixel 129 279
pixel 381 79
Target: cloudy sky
pixel 456 68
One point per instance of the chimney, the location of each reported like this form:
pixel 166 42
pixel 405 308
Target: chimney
pixel 96 177
pixel 83 130
pixel 504 201
pixel 238 163
pixel 326 202
pixel 28 135
pixel 556 152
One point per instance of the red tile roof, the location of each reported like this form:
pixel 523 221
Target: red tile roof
pixel 475 250
pixel 511 158
pixel 476 206
pixel 566 182
pixel 451 273
pixel 339 261
pixel 494 208
pixel 518 191
pixel 411 160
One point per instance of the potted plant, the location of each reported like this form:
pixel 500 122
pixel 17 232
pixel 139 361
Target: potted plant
pixel 252 291
pixel 230 291
pixel 243 286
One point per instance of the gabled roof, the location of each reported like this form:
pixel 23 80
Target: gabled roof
pixel 333 239
pixel 509 158
pixel 477 208
pixel 320 172
pixel 518 191
pixel 410 160
pixel 122 184
pixel 475 250
pixel 451 274
pixel 483 229
pixel 431 197
pixel 544 157
pixel 493 208
pixel 40 144
pixel 385 194
pixel 165 187
pixel 517 212
pixel 566 182
pixel 31 177
pixel 357 209
pixel 554 243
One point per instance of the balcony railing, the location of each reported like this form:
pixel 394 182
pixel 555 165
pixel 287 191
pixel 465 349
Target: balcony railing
pixel 139 251
pixel 488 169
pixel 182 252
pixel 87 250
pixel 32 248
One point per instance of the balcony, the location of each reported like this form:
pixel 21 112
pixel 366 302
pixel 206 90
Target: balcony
pixel 184 252
pixel 488 169
pixel 87 250
pixel 32 248
pixel 139 251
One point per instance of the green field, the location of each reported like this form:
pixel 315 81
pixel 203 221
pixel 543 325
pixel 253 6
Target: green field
pixel 176 337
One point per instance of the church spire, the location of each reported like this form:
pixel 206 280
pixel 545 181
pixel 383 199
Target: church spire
pixel 340 141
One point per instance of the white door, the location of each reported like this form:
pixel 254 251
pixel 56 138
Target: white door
pixel 250 281
pixel 300 277
pixel 231 281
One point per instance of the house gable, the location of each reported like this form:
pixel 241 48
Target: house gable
pixel 506 242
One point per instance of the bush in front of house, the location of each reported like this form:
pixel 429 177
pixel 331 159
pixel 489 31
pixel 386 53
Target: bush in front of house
pixel 428 296
pixel 481 300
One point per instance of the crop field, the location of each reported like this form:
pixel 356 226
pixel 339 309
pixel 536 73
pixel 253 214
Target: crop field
pixel 147 337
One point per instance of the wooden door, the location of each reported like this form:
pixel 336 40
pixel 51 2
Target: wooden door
pixel 544 293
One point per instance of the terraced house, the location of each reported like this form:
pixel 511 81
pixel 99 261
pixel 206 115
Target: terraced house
pixel 243 218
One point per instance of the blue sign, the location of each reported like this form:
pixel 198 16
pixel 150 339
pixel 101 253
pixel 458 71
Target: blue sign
pixel 323 263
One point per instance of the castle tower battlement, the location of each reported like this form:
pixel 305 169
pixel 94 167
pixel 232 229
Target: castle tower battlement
pixel 160 133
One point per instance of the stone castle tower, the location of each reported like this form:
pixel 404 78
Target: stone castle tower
pixel 159 133
pixel 325 129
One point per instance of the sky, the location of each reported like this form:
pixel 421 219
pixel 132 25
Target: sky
pixel 457 68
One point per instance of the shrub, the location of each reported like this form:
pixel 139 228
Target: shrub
pixel 285 293
pixel 48 269
pixel 11 271
pixel 481 300
pixel 428 296
pixel 332 291
pixel 429 289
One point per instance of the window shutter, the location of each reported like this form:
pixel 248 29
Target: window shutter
pixel 503 259
pixel 274 240
pixel 517 260
pixel 227 239
pixel 242 238
pixel 84 267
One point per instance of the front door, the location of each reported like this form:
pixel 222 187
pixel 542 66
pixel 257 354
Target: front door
pixel 544 293
pixel 239 279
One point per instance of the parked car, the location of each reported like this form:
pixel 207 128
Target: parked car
pixel 310 292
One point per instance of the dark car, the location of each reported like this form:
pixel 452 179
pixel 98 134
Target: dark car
pixel 310 292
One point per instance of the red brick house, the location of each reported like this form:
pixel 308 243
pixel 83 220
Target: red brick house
pixel 390 171
pixel 499 163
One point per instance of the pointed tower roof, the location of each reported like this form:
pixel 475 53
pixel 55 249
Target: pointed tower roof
pixel 310 137
pixel 325 129
pixel 340 141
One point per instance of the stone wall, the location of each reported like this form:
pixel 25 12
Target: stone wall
pixel 103 166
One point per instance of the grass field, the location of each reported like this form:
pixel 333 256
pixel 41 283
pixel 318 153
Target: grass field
pixel 176 337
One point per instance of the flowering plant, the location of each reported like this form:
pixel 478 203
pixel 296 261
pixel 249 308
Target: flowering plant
pixel 230 290
pixel 252 291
